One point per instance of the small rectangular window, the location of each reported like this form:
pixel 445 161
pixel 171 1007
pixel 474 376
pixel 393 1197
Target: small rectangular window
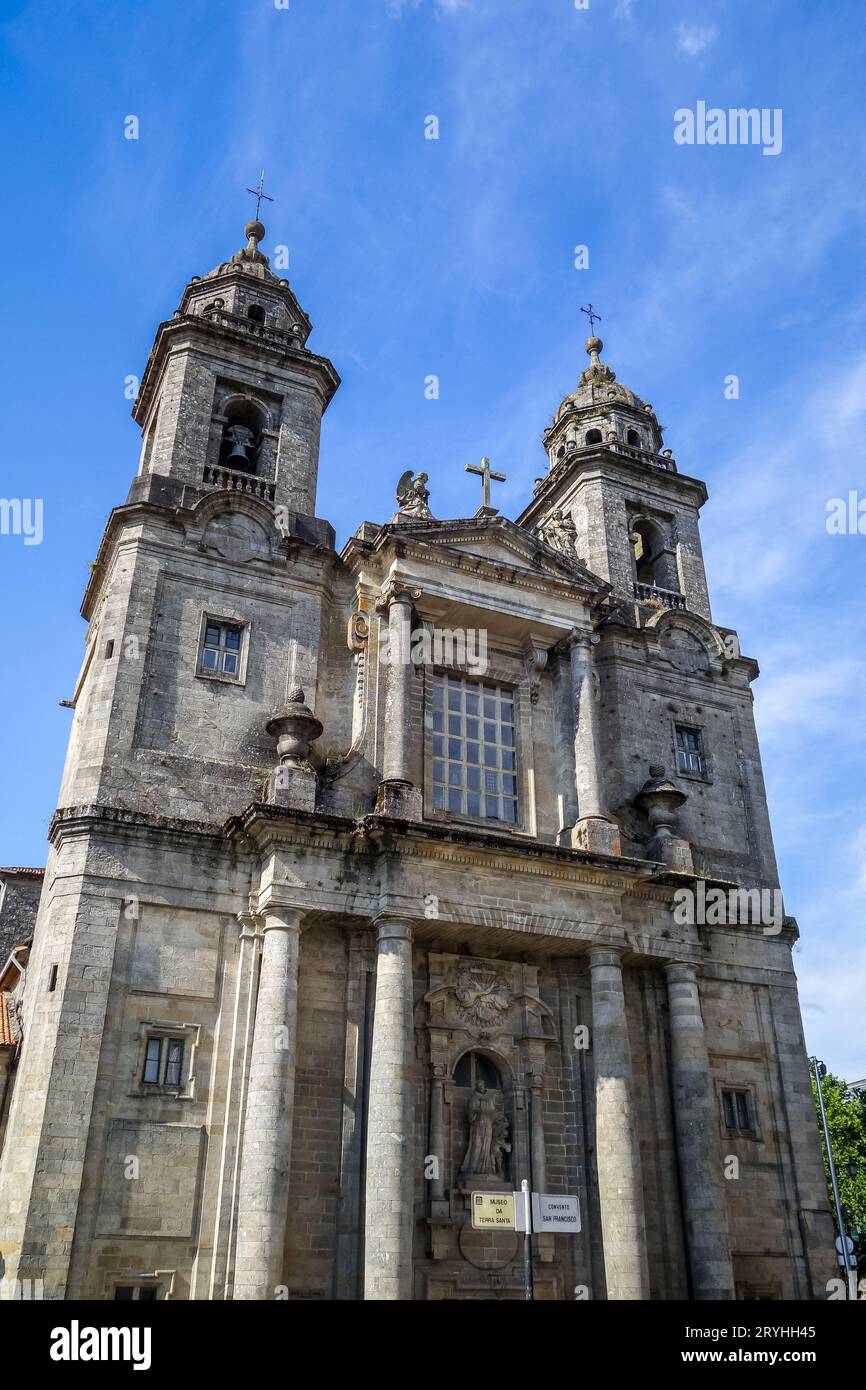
pixel 138 1293
pixel 109 649
pixel 690 750
pixel 221 650
pixel 52 979
pixel 737 1111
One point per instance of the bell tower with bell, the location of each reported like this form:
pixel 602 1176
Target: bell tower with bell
pixel 231 396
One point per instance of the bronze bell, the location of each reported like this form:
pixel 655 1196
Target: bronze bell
pixel 242 440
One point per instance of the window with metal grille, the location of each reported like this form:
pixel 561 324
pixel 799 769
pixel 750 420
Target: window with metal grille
pixel 690 750
pixel 474 762
pixel 737 1109
pixel 221 650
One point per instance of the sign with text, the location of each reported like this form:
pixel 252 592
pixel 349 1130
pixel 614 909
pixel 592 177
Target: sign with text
pixel 555 1213
pixel 493 1211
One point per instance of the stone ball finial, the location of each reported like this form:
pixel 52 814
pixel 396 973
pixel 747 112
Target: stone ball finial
pixel 593 344
pixel 254 231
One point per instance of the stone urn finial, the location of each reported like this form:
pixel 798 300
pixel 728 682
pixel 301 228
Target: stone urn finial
pixel 661 799
pixel 295 728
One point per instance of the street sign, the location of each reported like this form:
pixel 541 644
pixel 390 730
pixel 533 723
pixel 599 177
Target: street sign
pixel 555 1213
pixel 851 1261
pixel 848 1245
pixel 493 1211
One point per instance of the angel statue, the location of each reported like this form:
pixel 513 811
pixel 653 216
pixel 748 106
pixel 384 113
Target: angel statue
pixel 560 533
pixel 413 496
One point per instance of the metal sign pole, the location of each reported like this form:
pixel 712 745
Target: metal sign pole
pixel 527 1242
pixel 850 1276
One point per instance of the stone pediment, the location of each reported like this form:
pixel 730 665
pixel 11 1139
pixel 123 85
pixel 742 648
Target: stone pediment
pixel 493 540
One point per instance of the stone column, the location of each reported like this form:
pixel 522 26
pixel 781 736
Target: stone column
pixel 619 1177
pixel 593 829
pixel 263 1199
pixel 397 795
pixel 702 1182
pixel 389 1221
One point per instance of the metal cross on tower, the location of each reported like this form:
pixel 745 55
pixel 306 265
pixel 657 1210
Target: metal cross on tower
pixel 486 476
pixel 591 315
pixel 259 194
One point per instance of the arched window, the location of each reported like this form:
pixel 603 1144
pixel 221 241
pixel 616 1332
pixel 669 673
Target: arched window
pixel 474 1067
pixel 593 436
pixel 256 313
pixel 633 438
pixel 242 435
pixel 654 563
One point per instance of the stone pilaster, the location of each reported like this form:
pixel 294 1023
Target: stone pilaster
pixel 397 795
pixel 619 1176
pixel 702 1184
pixel 390 1177
pixel 593 829
pixel 264 1181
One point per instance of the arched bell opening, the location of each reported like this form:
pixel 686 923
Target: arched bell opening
pixel 242 437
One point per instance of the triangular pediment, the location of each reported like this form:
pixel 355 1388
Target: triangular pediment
pixel 496 541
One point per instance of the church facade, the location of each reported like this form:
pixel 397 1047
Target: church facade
pixel 384 877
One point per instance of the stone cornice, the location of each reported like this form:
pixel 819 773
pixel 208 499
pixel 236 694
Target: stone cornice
pixel 309 364
pixel 629 471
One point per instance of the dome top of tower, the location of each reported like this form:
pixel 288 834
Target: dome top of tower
pixel 598 386
pixel 249 258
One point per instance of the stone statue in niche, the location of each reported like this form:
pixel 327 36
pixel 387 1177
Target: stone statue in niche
pixel 488 1132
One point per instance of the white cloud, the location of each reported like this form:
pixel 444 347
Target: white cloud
pixel 695 39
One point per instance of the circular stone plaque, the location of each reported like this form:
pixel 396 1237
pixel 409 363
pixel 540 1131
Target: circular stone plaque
pixel 488 1249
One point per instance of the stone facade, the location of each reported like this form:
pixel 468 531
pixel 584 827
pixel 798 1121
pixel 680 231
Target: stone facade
pixel 324 923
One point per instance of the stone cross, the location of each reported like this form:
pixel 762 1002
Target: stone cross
pixel 485 474
pixel 591 315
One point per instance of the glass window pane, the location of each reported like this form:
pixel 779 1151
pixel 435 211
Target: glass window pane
pixel 507 760
pixel 743 1116
pixel 438 798
pixel 438 697
pixel 230 663
pixel 455 801
pixel 147 1294
pixel 233 638
pixel 471 704
pixel 151 1061
pixel 438 746
pixel 509 810
pixel 473 753
pixel 728 1107
pixel 472 728
pixel 473 804
pixel 455 775
pixel 175 1062
pixel 438 721
pixel 438 772
pixel 473 778
pixel 455 748
pixel 491 781
pixel 454 699
pixel 209 660
pixel 490 733
pixel 455 724
pixel 123 1293
pixel 491 806
pixel 212 636
pixel 489 708
pixel 491 756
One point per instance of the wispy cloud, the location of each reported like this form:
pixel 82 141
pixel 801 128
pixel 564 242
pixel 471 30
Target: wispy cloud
pixel 695 39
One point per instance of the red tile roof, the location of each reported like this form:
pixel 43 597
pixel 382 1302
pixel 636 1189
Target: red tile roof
pixel 23 873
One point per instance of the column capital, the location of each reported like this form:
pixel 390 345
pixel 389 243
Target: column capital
pixel 392 928
pixel 277 914
pixel 396 591
pixel 681 972
pixel 580 637
pixel 250 924
pixel 606 955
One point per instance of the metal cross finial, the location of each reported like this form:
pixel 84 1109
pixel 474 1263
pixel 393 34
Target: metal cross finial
pixel 259 194
pixel 591 315
pixel 485 474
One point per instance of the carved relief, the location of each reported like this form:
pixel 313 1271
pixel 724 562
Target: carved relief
pixel 483 996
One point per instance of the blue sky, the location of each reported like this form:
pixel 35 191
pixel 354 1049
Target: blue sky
pixel 455 257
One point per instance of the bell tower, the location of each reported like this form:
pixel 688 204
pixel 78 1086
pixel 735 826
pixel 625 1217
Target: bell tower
pixel 635 515
pixel 231 397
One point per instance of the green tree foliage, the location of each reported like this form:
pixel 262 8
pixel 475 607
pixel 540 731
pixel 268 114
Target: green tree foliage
pixel 846 1121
